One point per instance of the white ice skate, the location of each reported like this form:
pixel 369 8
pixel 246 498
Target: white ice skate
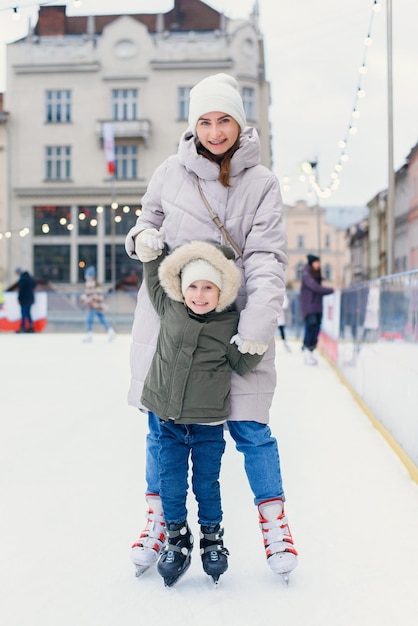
pixel 309 358
pixel 280 551
pixel 146 550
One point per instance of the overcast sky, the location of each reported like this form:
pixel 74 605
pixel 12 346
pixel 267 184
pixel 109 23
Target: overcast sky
pixel 313 52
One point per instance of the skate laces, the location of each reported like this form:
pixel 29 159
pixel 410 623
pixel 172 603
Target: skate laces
pixel 276 535
pixel 153 536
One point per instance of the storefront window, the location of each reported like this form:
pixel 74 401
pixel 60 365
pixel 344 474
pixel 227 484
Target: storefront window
pixel 123 218
pixel 124 265
pixel 87 256
pixel 88 219
pixel 52 220
pixel 52 263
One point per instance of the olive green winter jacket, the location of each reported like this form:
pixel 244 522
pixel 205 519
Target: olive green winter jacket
pixel 190 375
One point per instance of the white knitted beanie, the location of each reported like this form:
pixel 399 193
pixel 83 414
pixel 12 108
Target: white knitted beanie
pixel 216 93
pixel 199 270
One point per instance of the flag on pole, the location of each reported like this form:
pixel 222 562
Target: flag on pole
pixel 109 146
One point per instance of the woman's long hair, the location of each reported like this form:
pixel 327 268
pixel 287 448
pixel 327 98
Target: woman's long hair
pixel 223 160
pixel 316 274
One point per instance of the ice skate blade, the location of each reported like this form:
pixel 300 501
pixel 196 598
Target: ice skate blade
pixel 141 569
pixel 285 578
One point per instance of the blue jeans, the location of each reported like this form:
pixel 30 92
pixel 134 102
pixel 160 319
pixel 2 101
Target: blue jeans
pixel 253 439
pixel 205 445
pixel 26 316
pixel 312 328
pixel 101 318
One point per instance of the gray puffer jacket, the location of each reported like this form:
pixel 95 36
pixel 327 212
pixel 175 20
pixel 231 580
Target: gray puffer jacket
pixel 252 211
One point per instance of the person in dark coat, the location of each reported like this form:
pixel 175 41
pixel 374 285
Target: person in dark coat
pixel 26 297
pixel 311 294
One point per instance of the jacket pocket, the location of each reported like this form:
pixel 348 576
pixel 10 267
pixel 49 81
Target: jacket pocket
pixel 208 391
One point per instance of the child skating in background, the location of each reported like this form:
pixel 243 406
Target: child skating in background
pixel 93 300
pixel 188 387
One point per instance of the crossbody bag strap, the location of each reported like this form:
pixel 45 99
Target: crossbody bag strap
pixel 218 222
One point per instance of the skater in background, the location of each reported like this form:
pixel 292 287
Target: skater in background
pixel 311 293
pixel 192 291
pixel 217 170
pixel 93 300
pixel 281 322
pixel 26 297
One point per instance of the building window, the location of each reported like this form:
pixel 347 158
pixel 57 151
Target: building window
pixel 52 262
pixel 328 272
pixel 183 103
pixel 58 106
pixel 57 162
pixel 87 256
pixel 120 220
pixel 52 220
pixel 125 104
pixel 126 161
pixel 298 271
pixel 327 241
pixel 123 265
pixel 248 99
pixel 88 220
pixel 300 241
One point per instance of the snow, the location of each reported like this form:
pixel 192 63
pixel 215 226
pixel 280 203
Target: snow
pixel 71 472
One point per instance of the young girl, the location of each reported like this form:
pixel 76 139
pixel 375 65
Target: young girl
pixel 188 387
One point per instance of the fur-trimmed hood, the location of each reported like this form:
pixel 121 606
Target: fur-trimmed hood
pixel 221 257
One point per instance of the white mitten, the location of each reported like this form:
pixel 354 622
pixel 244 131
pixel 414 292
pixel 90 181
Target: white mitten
pixel 149 244
pixel 248 346
pixel 156 242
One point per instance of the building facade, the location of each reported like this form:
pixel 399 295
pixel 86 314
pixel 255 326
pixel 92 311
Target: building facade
pixel 401 220
pixel 109 85
pixel 412 236
pixel 309 232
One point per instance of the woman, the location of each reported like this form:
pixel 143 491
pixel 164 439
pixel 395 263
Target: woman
pixel 311 293
pixel 222 154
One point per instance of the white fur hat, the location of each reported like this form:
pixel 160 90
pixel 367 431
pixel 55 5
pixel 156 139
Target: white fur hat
pixel 199 270
pixel 216 93
pixel 199 260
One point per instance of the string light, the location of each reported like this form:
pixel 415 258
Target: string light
pixel 82 216
pixel 21 232
pixel 352 130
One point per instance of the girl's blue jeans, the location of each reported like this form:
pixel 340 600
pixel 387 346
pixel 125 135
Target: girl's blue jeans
pixel 204 445
pixel 101 318
pixel 253 439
